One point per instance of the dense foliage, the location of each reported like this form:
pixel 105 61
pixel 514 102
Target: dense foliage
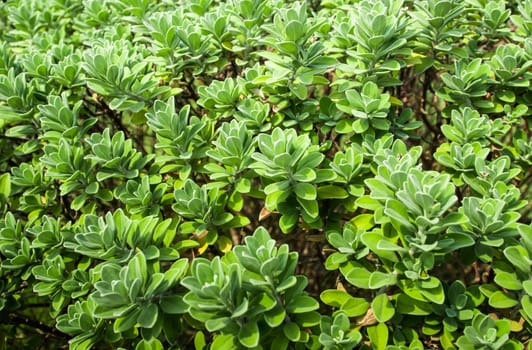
pixel 265 174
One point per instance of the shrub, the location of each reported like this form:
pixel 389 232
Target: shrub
pixel 265 174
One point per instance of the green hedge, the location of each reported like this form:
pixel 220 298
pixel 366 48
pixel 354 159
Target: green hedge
pixel 265 174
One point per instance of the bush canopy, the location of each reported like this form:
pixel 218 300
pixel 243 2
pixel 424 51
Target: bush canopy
pixel 265 174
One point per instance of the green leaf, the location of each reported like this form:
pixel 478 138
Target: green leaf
pixel 355 307
pixel 299 90
pixel 436 295
pixel 5 186
pixel 199 341
pixel 137 268
pixel 224 342
pixel 384 244
pixel 305 174
pixel 148 316
pixel 238 221
pixel 173 304
pixel 280 343
pixel 243 185
pixel 526 303
pixel 506 96
pixel 360 126
pixel 305 191
pixel 518 257
pixel 287 222
pixel 359 277
pixel 123 324
pixel 459 240
pixel 508 280
pixel 382 308
pixel 276 187
pixel 527 286
pixel 352 307
pixel 399 216
pixel 371 240
pixel 409 306
pixel 113 312
pixel 334 298
pixel 294 30
pixel 286 284
pixel 288 47
pixel 92 188
pixel 151 344
pixel 379 279
pixel 310 207
pixel 344 126
pixel 367 202
pixel 325 175
pixel 249 335
pixel 391 65
pixel 305 320
pixel 424 64
pixel 217 323
pixel 78 201
pixel 291 331
pixel 301 304
pixel 275 317
pixel 331 192
pixel 502 300
pixel 241 309
pixel 378 336
pixel 364 221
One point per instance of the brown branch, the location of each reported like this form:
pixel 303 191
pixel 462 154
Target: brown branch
pixel 18 320
pixel 428 124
